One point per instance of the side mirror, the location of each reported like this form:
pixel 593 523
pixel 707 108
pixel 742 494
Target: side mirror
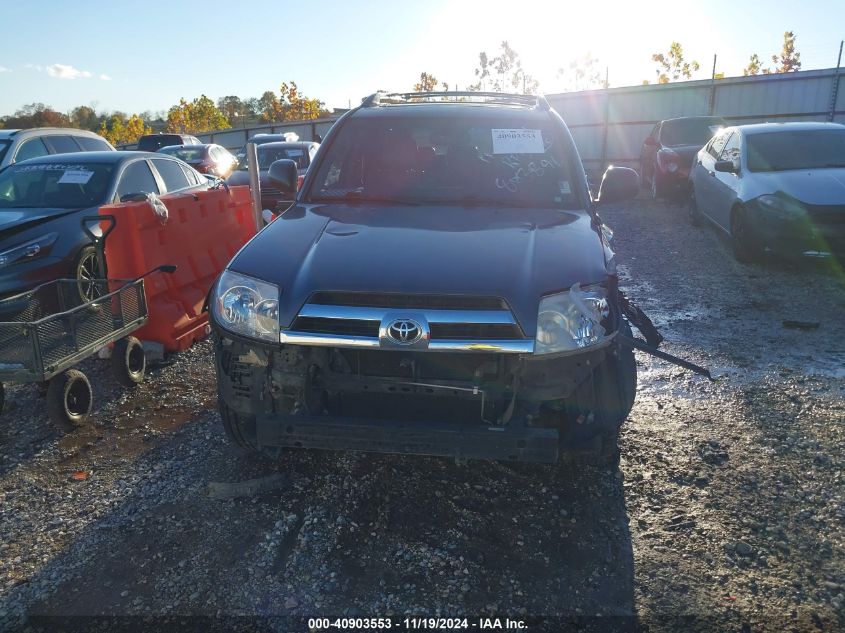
pixel 726 166
pixel 617 185
pixel 282 175
pixel 650 141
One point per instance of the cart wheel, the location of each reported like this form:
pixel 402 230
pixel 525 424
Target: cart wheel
pixel 69 399
pixel 128 361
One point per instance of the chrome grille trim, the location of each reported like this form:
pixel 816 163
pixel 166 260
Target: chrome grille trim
pixel 382 316
pixel 316 310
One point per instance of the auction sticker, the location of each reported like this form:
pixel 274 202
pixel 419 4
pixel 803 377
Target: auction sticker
pixel 513 141
pixel 75 177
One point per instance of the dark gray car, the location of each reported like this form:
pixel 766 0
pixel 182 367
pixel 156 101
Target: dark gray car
pixel 441 286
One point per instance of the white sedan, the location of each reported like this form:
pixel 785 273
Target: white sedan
pixel 774 187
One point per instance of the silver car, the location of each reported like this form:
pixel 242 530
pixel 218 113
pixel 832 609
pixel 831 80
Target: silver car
pixel 18 145
pixel 774 187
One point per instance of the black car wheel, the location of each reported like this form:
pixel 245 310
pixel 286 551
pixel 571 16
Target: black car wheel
pixel 128 361
pixel 743 241
pixel 656 188
pixel 692 209
pixel 239 429
pixel 69 399
pixel 87 274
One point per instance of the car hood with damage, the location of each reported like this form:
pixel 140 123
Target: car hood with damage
pixel 518 254
pixel 14 221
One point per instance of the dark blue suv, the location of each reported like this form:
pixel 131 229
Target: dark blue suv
pixel 441 286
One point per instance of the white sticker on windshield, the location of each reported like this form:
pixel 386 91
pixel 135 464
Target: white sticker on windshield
pixel 293 152
pixel 512 141
pixel 564 186
pixel 76 177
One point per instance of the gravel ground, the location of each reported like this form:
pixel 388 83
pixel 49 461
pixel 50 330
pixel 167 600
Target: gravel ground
pixel 727 512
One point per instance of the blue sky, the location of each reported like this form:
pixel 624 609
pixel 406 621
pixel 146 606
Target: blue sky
pixel 135 56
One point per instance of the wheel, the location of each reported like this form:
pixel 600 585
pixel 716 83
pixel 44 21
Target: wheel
pixel 86 273
pixel 743 242
pixel 69 399
pixel 608 398
pixel 692 208
pixel 128 362
pixel 240 430
pixel 656 189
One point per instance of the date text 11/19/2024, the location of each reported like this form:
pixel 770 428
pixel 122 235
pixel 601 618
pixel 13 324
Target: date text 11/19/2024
pixel 416 624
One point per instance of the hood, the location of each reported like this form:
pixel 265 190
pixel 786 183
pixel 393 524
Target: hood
pixel 514 253
pixel 816 186
pixel 13 221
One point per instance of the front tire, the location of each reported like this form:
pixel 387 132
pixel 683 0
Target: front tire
pixel 692 209
pixel 86 273
pixel 743 241
pixel 239 429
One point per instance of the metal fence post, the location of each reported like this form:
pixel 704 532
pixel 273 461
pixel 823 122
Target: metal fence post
pixel 834 90
pixel 254 184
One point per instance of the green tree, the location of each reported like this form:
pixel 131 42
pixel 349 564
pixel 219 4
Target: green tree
pixel 427 83
pixel 583 74
pixel 504 71
pixel 789 60
pixel 199 115
pixel 672 66
pixel 232 108
pixel 36 115
pixel 755 66
pixel 269 107
pixel 85 118
pixel 295 106
pixel 118 129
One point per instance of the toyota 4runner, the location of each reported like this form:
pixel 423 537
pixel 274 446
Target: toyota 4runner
pixel 443 285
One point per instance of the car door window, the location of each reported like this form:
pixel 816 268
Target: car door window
pixel 61 144
pixel 731 149
pixel 137 178
pixel 89 144
pixel 192 176
pixel 171 173
pixel 33 148
pixel 718 144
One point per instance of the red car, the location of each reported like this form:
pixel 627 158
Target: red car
pixel 207 159
pixel 668 152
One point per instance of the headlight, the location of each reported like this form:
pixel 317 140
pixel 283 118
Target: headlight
pixel 571 320
pixel 782 207
pixel 30 250
pixel 247 306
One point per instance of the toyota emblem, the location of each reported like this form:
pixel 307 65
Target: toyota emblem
pixel 404 331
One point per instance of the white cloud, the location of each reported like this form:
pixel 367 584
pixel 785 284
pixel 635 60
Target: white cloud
pixel 105 77
pixel 64 71
pixel 3 69
pixel 35 66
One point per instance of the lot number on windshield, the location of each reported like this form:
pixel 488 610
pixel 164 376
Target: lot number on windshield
pixel 513 141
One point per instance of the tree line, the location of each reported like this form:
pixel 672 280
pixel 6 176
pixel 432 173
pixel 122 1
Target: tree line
pixel 186 117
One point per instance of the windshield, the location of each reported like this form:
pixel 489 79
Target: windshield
pixel 799 149
pixel 689 131
pixel 188 153
pixel 55 185
pixel 269 155
pixel 4 147
pixel 506 160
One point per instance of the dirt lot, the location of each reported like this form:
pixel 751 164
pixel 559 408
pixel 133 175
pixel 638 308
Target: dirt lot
pixel 728 512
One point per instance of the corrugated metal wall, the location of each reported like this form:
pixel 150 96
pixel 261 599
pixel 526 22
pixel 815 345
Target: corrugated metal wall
pixel 609 125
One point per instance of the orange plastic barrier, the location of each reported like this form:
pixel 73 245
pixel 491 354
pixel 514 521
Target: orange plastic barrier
pixel 202 233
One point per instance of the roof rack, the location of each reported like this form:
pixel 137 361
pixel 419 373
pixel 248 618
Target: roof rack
pixel 502 98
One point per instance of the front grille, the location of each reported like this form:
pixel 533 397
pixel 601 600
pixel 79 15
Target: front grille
pixel 415 302
pixel 474 331
pixel 346 327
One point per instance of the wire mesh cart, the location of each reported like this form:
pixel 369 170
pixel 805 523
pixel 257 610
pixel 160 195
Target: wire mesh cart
pixel 46 331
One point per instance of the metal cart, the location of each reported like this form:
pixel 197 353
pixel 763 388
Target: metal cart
pixel 45 331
